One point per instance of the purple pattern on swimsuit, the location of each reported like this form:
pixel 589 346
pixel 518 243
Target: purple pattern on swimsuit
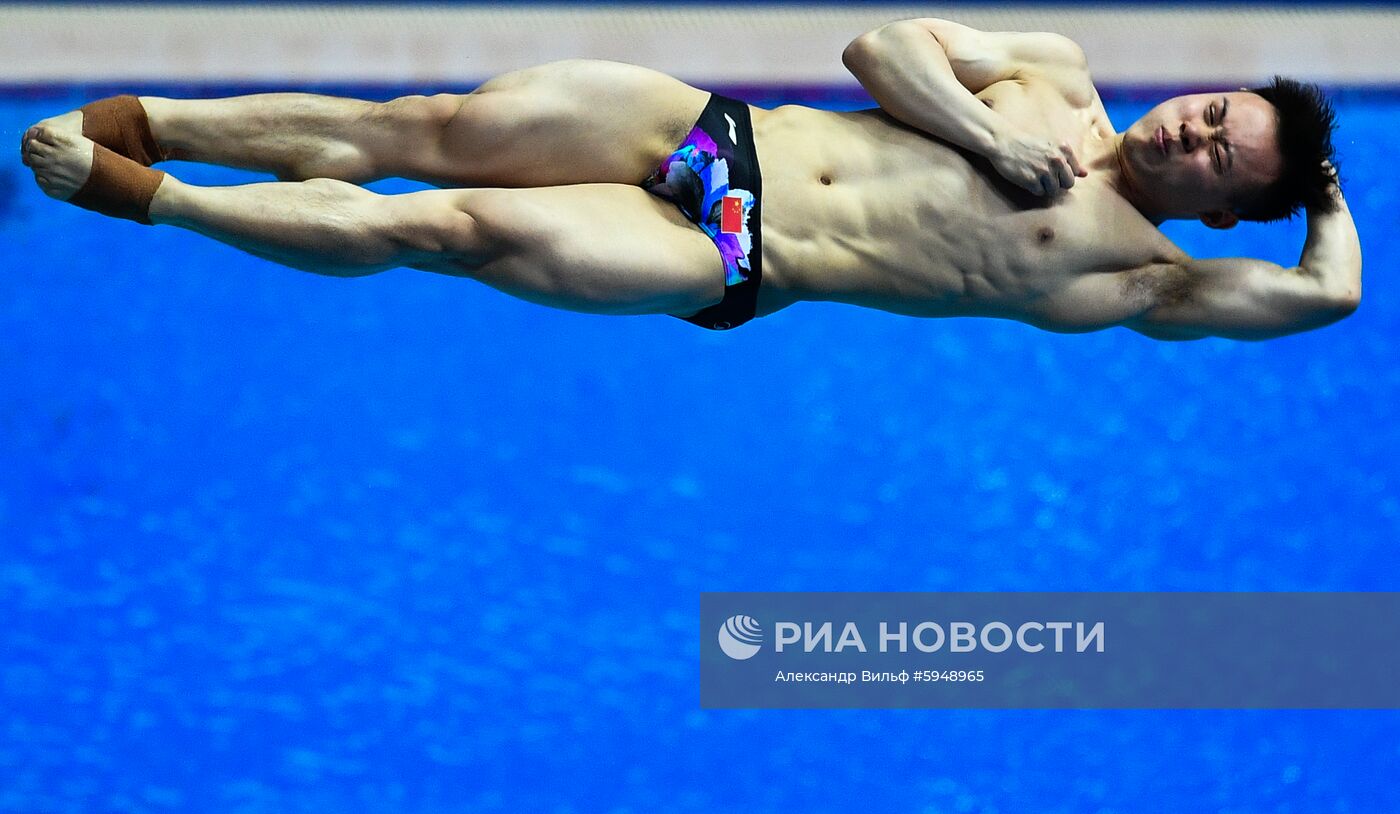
pixel 696 179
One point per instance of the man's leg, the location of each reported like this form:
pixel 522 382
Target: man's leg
pixel 295 136
pixel 576 121
pixel 595 248
pixel 598 248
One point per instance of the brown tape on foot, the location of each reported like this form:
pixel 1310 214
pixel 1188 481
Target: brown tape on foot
pixel 119 123
pixel 118 187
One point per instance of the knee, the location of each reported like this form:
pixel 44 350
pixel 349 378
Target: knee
pixel 434 226
pixel 394 137
pixel 422 114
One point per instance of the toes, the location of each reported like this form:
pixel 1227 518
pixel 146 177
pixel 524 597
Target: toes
pixel 25 143
pixel 46 134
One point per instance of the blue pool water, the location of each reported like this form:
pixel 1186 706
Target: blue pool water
pixel 274 542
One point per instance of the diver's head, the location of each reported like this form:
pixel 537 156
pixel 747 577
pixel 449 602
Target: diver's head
pixel 1256 154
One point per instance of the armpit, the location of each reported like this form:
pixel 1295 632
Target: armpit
pixel 1155 286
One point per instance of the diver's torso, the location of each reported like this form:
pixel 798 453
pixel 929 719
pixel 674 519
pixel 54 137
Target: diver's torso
pixel 859 208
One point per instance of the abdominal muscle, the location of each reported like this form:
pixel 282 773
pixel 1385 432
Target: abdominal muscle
pixel 860 209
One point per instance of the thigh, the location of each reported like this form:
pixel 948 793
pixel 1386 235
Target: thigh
pixel 596 248
pixel 570 122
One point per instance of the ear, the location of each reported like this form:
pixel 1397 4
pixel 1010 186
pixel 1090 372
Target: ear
pixel 1220 220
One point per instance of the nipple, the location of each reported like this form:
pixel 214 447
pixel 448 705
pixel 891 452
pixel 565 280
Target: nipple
pixel 1044 235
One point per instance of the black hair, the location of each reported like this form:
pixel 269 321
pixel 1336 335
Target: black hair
pixel 1305 124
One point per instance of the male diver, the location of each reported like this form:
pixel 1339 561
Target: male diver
pixel 989 182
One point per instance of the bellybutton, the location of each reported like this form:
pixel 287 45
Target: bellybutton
pixel 722 326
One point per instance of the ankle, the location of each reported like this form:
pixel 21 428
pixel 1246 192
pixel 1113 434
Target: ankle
pixel 163 121
pixel 169 201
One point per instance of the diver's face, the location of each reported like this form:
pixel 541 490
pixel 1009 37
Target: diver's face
pixel 1198 154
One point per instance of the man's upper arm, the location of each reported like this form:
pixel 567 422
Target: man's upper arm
pixel 1236 298
pixel 983 58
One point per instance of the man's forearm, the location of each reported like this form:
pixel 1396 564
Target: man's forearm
pixel 1332 252
pixel 905 69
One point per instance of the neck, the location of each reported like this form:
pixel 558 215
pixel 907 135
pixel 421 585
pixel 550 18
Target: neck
pixel 1114 163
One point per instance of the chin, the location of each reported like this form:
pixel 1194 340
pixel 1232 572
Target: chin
pixel 1138 157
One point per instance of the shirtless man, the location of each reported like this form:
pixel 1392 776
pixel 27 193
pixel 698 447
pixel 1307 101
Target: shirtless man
pixel 989 183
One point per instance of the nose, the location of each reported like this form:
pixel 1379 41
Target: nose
pixel 1190 139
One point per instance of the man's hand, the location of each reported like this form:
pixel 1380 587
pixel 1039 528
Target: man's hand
pixel 1335 189
pixel 1036 164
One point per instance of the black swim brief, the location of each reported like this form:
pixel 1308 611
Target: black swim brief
pixel 713 178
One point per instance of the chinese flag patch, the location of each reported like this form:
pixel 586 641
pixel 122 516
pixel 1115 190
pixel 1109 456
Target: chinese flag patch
pixel 731 215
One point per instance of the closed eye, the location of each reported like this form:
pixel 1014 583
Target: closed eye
pixel 1225 150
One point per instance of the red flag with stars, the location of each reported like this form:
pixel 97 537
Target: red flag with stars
pixel 731 215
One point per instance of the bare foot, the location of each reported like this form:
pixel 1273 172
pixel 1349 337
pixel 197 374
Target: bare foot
pixel 72 120
pixel 58 154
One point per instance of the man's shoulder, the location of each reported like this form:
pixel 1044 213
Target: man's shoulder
pixel 1058 62
pixel 1073 84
